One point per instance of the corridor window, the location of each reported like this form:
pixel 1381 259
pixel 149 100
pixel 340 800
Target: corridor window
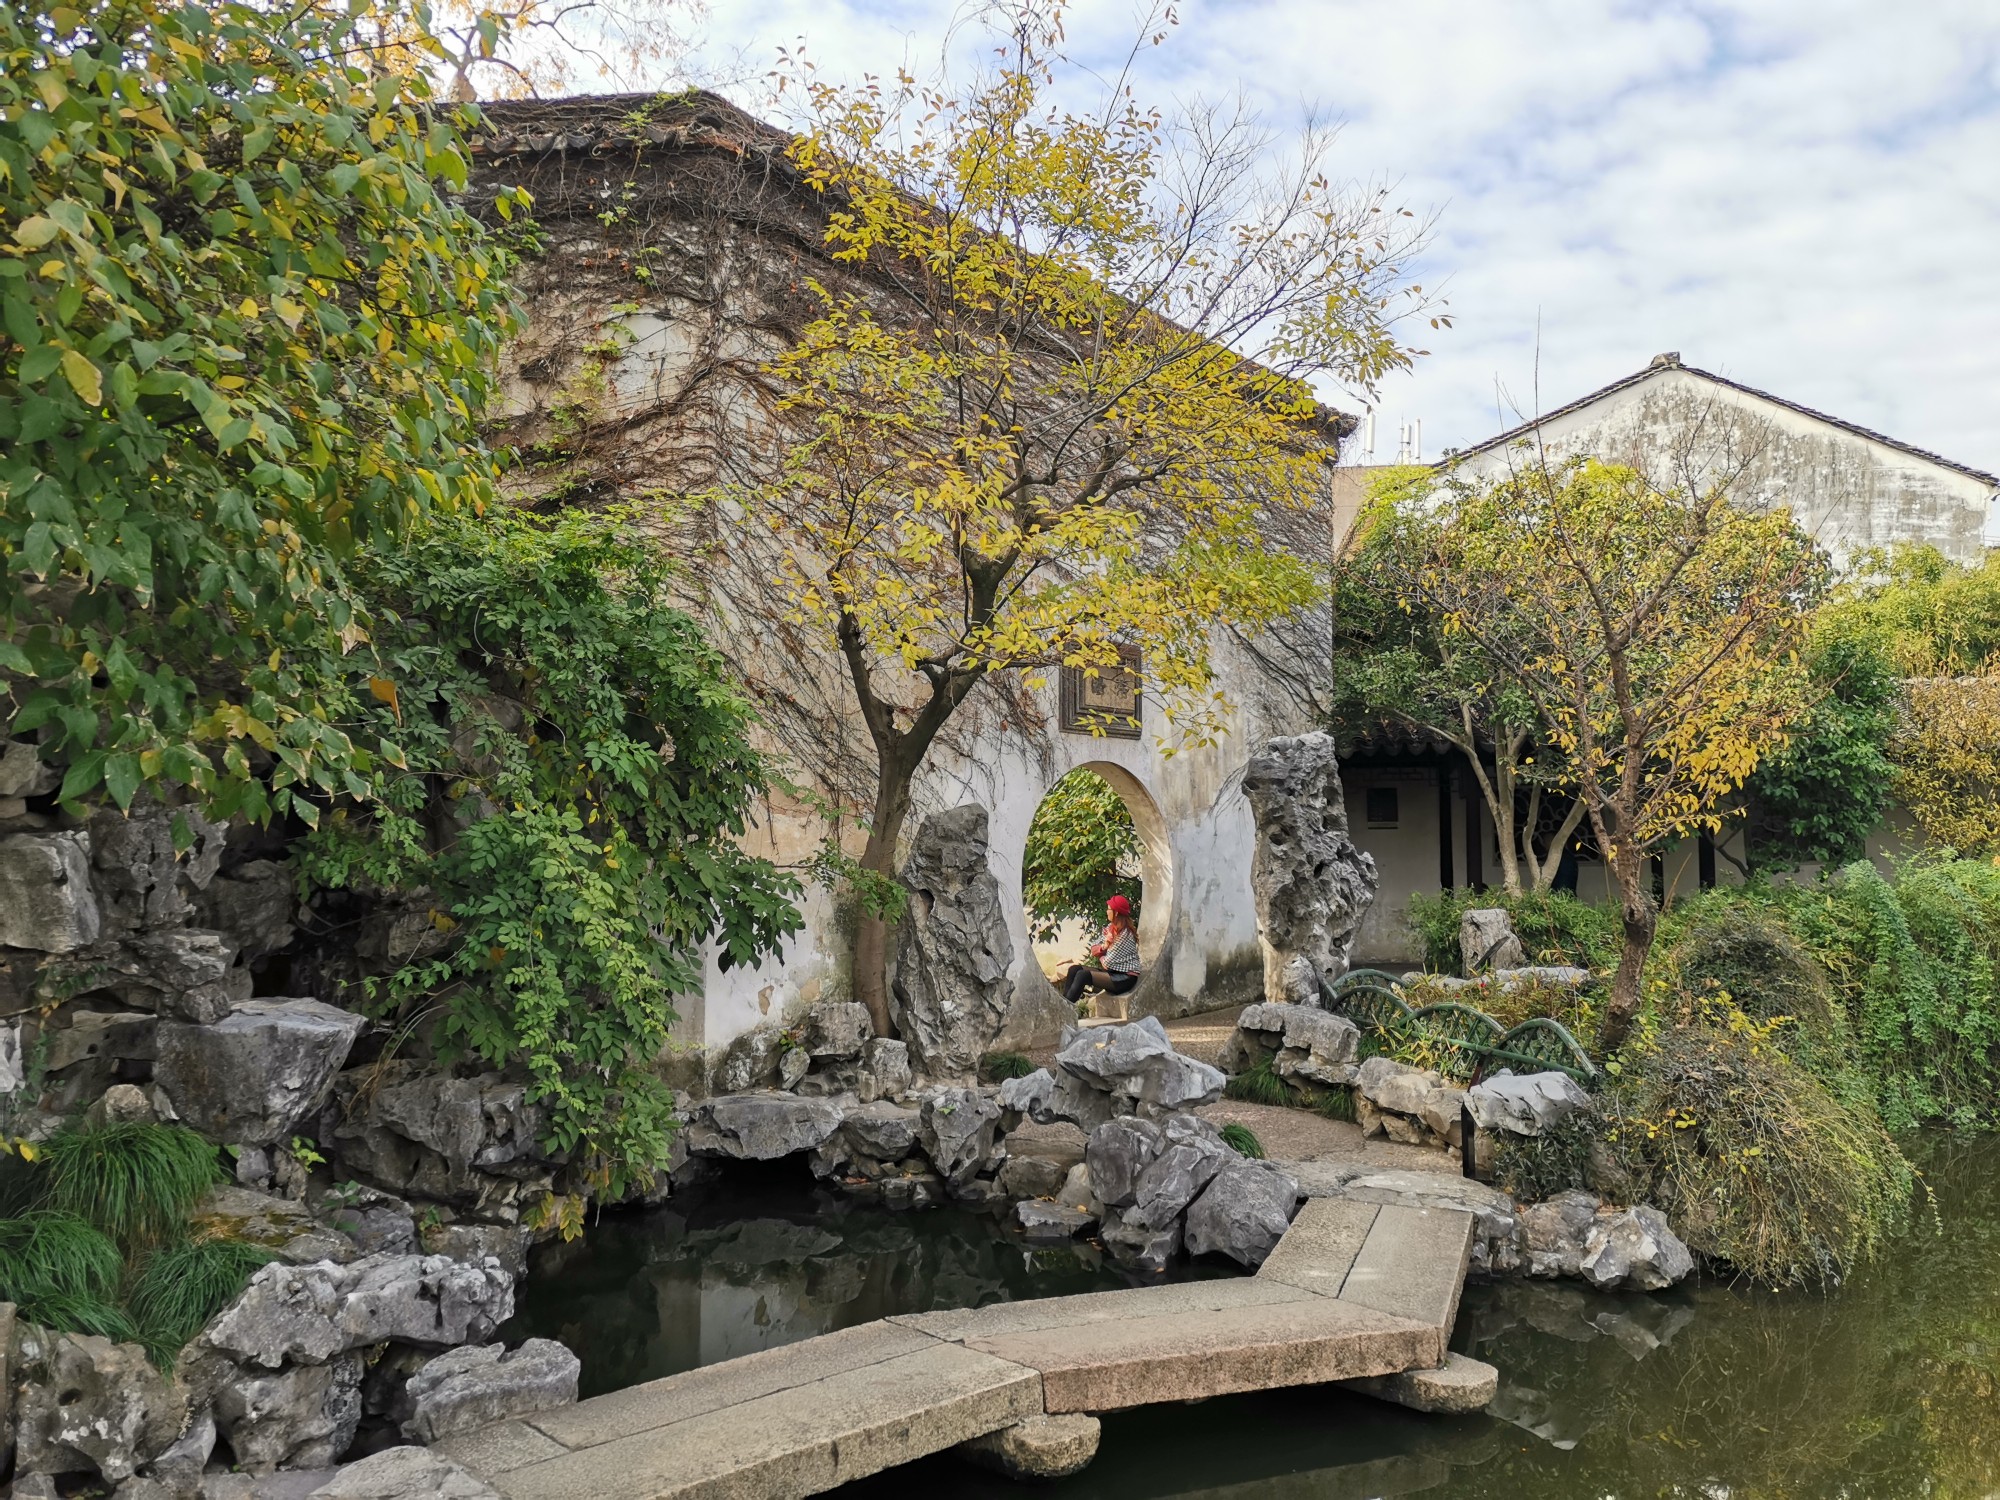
pixel 1382 809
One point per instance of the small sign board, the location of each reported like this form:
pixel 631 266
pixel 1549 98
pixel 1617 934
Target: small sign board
pixel 1107 703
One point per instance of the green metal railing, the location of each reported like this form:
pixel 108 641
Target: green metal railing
pixel 1374 1001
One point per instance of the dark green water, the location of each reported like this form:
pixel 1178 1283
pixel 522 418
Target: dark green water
pixel 1884 1389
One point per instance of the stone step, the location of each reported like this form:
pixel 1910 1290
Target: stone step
pixel 1319 1249
pixel 799 1439
pixel 1184 1356
pixel 1412 1265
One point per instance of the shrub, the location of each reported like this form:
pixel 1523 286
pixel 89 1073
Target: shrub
pixel 1242 1140
pixel 181 1286
pixel 572 780
pixel 134 1181
pixel 1533 1168
pixel 1783 1176
pixel 1258 1084
pixel 995 1066
pixel 62 1273
pixel 1554 926
pixel 1917 965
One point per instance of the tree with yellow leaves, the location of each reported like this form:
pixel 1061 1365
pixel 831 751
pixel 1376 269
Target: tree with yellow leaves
pixel 1652 627
pixel 1056 435
pixel 1947 755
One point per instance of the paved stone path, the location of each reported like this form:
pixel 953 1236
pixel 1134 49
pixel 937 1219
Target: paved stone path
pixel 1354 1290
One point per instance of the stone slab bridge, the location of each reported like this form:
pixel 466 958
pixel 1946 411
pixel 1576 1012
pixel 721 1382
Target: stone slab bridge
pixel 1353 1292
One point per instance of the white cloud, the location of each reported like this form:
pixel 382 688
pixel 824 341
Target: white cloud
pixel 1801 194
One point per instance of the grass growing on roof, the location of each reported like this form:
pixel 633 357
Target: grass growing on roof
pixel 135 1181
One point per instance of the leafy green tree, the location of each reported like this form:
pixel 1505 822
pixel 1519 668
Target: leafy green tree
pixel 1653 627
pixel 246 336
pixel 1055 436
pixel 574 775
pixel 1081 839
pixel 1400 661
pixel 1820 795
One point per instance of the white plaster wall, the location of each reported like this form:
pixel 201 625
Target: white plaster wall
pixel 1406 857
pixel 1198 925
pixel 1848 491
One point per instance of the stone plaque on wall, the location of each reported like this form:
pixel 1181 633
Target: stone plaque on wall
pixel 1108 703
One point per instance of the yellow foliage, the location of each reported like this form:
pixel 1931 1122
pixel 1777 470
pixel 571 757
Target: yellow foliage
pixel 1061 432
pixel 1947 756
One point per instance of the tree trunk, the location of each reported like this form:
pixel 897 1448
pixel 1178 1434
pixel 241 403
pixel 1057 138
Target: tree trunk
pixel 1641 918
pixel 871 937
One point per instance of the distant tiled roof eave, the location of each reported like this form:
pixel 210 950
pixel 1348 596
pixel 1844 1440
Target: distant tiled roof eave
pixel 1516 433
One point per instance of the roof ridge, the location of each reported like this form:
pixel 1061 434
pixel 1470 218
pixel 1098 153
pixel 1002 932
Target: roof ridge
pixel 1658 367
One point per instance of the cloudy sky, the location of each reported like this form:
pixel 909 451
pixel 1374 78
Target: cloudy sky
pixel 1803 195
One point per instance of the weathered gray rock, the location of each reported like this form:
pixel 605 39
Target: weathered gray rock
pixel 1312 886
pixel 474 1244
pixel 13 1068
pixel 316 1312
pixel 1556 1233
pixel 276 1224
pixel 253 906
pixel 960 1132
pixel 46 899
pixel 1051 1223
pixel 761 1126
pixel 1173 1178
pixel 141 879
pixel 1052 1098
pixel 1137 1066
pixel 749 1062
pixel 1526 1105
pixel 80 1035
pixel 1138 1246
pixel 1636 1250
pixel 1076 1191
pixel 472 1387
pixel 1443 1113
pixel 298 1417
pixel 87 1405
pixel 951 990
pixel 1486 941
pixel 1395 1087
pixel 838 1030
pixel 1040 1448
pixel 885 1069
pixel 250 1078
pixel 1118 1153
pixel 436 1136
pixel 793 1065
pixel 23 773
pixel 404 1474
pixel 179 1469
pixel 1244 1211
pixel 881 1131
pixel 1032 1177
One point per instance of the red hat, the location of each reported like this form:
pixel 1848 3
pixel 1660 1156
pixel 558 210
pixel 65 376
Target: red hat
pixel 1118 906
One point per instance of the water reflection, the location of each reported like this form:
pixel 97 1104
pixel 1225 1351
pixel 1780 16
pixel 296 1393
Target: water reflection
pixel 765 1258
pixel 1884 1390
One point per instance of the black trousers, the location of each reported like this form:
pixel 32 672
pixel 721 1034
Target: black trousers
pixel 1083 977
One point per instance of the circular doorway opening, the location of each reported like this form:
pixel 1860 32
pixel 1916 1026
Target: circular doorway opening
pixel 1097 833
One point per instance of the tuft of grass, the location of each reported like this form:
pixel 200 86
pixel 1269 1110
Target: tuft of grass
pixel 61 1273
pixel 1336 1104
pixel 995 1066
pixel 181 1286
pixel 1258 1084
pixel 135 1181
pixel 1242 1140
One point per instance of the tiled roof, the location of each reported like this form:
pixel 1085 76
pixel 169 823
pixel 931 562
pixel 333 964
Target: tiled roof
pixel 1663 363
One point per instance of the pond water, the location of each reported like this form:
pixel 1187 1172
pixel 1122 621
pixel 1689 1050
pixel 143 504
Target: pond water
pixel 1885 1389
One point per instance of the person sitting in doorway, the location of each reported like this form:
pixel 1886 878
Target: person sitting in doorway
pixel 1116 952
